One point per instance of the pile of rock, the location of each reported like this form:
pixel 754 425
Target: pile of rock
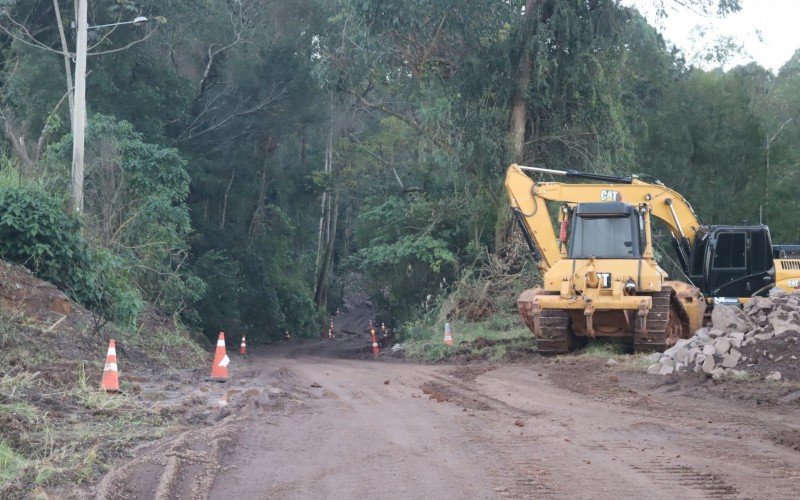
pixel 734 341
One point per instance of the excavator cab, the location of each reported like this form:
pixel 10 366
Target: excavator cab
pixel 606 230
pixel 732 261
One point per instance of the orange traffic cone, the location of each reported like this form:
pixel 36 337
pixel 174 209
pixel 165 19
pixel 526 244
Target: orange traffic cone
pixel 331 335
pixel 243 347
pixel 219 370
pixel 110 381
pixel 375 349
pixel 448 334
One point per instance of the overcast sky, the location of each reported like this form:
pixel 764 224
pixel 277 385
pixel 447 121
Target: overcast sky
pixel 768 29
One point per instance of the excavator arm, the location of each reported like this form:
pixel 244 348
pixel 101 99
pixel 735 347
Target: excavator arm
pixel 528 202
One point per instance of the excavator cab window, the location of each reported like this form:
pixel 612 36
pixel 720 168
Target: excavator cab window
pixel 699 257
pixel 606 231
pixel 730 251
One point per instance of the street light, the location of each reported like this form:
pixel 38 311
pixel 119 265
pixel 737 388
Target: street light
pixel 136 22
pixel 79 115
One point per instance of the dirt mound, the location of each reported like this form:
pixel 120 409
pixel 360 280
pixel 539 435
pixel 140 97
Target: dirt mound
pixel 53 417
pixel 777 354
pixel 61 329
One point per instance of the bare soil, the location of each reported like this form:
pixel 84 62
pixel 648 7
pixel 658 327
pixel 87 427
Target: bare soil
pixel 52 412
pixel 780 354
pixel 308 420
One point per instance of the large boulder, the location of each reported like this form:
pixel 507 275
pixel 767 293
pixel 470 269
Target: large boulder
pixel 730 319
pixel 781 326
pixel 759 305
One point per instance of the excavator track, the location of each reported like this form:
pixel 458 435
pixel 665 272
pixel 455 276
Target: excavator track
pixel 666 323
pixel 557 336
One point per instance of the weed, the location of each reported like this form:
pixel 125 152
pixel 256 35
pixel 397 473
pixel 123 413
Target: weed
pixel 12 464
pixel 503 332
pixel 95 399
pixel 743 376
pixel 635 362
pixel 167 347
pixel 603 349
pixel 16 386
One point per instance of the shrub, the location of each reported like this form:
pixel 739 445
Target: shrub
pixel 37 233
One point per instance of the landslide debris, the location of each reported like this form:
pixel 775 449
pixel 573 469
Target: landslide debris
pixel 761 339
pixel 57 428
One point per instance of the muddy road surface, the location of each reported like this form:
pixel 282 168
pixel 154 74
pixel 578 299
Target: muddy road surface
pixel 304 421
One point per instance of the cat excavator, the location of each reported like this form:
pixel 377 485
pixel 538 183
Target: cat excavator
pixel 600 275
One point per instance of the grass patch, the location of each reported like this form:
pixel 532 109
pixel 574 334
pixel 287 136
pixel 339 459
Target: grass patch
pixel 743 376
pixel 73 447
pixel 12 464
pixel 627 362
pixel 173 348
pixel 93 398
pixel 603 349
pixel 492 339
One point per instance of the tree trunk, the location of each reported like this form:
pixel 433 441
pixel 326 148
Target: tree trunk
pixel 261 203
pixel 519 101
pixel 225 201
pixel 519 117
pixel 67 65
pixel 303 145
pixel 324 277
pixel 327 224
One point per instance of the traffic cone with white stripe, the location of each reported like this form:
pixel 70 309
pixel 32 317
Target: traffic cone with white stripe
pixel 375 349
pixel 110 381
pixel 448 335
pixel 219 369
pixel 243 347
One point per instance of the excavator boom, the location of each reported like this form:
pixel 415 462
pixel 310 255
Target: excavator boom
pixel 528 202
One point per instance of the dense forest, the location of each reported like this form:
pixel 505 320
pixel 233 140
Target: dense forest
pixel 251 162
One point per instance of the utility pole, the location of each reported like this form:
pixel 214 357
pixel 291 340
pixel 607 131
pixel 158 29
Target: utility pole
pixel 79 116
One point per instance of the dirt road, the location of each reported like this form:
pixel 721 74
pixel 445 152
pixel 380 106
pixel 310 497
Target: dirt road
pixel 310 424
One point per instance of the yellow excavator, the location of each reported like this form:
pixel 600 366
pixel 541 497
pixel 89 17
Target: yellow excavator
pixel 600 276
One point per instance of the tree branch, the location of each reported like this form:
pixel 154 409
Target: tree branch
pixel 425 133
pixel 135 42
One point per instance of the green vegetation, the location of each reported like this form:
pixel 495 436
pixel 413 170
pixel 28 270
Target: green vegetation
pixel 11 463
pixel 494 339
pixel 245 175
pixel 35 231
pixel 603 349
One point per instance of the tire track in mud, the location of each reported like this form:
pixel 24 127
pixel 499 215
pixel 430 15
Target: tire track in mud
pixel 187 463
pixel 710 485
pixel 465 393
pixel 530 476
pixel 519 474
